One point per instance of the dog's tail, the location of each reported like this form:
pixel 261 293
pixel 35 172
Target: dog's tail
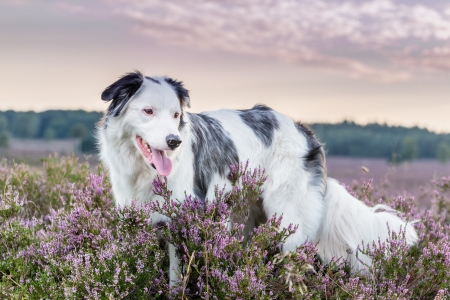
pixel 348 223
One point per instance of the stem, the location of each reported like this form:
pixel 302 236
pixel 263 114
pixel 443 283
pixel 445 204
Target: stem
pixel 15 282
pixel 186 277
pixel 207 275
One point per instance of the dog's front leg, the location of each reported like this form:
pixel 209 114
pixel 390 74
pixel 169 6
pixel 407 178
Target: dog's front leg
pixel 174 270
pixel 158 221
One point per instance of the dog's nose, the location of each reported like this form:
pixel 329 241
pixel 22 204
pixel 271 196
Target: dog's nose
pixel 173 141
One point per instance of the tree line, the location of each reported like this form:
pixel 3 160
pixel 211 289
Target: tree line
pixel 49 125
pixel 394 143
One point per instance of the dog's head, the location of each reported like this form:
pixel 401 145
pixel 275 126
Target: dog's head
pixel 152 109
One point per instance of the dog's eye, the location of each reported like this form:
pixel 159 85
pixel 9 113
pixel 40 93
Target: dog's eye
pixel 176 115
pixel 148 111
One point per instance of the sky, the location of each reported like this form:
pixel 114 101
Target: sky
pixel 380 61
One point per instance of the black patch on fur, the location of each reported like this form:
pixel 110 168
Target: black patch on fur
pixel 182 122
pixel 262 121
pixel 182 93
pixel 121 91
pixel 257 210
pixel 315 158
pixel 262 107
pixel 152 79
pixel 105 122
pixel 214 151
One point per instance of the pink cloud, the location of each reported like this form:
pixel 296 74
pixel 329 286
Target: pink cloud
pixel 71 8
pixel 314 33
pixel 293 31
pixel 434 59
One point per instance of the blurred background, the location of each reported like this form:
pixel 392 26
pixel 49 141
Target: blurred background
pixel 372 78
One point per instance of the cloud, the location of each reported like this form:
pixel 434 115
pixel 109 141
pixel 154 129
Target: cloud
pixel 340 36
pixel 297 21
pixel 71 8
pixel 296 31
pixel 17 2
pixel 435 59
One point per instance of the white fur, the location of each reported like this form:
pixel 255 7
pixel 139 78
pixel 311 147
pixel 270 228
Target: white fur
pixel 339 221
pixel 348 223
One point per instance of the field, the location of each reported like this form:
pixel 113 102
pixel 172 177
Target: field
pixel 407 179
pixel 32 151
pixel 61 237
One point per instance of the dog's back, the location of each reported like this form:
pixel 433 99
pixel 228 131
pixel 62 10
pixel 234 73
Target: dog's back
pixel 292 158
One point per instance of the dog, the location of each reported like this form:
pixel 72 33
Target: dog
pixel 147 132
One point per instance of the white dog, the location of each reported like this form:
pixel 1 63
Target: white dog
pixel 145 132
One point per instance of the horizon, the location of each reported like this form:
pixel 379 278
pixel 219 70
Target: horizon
pixel 376 61
pixel 307 123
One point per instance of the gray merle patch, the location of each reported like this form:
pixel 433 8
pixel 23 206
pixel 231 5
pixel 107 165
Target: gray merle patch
pixel 213 150
pixel 315 158
pixel 262 121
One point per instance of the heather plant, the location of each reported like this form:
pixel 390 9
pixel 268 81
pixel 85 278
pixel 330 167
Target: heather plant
pixel 15 235
pixel 217 262
pixel 62 237
pixel 85 249
pixel 48 187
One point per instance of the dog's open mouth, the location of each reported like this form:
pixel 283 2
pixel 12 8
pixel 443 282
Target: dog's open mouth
pixel 157 158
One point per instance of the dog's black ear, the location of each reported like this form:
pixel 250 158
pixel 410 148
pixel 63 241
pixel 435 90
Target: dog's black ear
pixel 121 91
pixel 182 93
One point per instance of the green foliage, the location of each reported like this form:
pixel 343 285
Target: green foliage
pixel 89 144
pixel 61 123
pixel 377 140
pixel 45 191
pixel 25 125
pixel 3 124
pixel 4 139
pixel 443 152
pixel 51 124
pixel 409 149
pixel 58 125
pixel 78 130
pixel 49 133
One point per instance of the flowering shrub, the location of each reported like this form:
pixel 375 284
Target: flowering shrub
pixel 61 237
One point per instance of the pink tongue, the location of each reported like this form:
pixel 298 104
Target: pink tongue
pixel 162 163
